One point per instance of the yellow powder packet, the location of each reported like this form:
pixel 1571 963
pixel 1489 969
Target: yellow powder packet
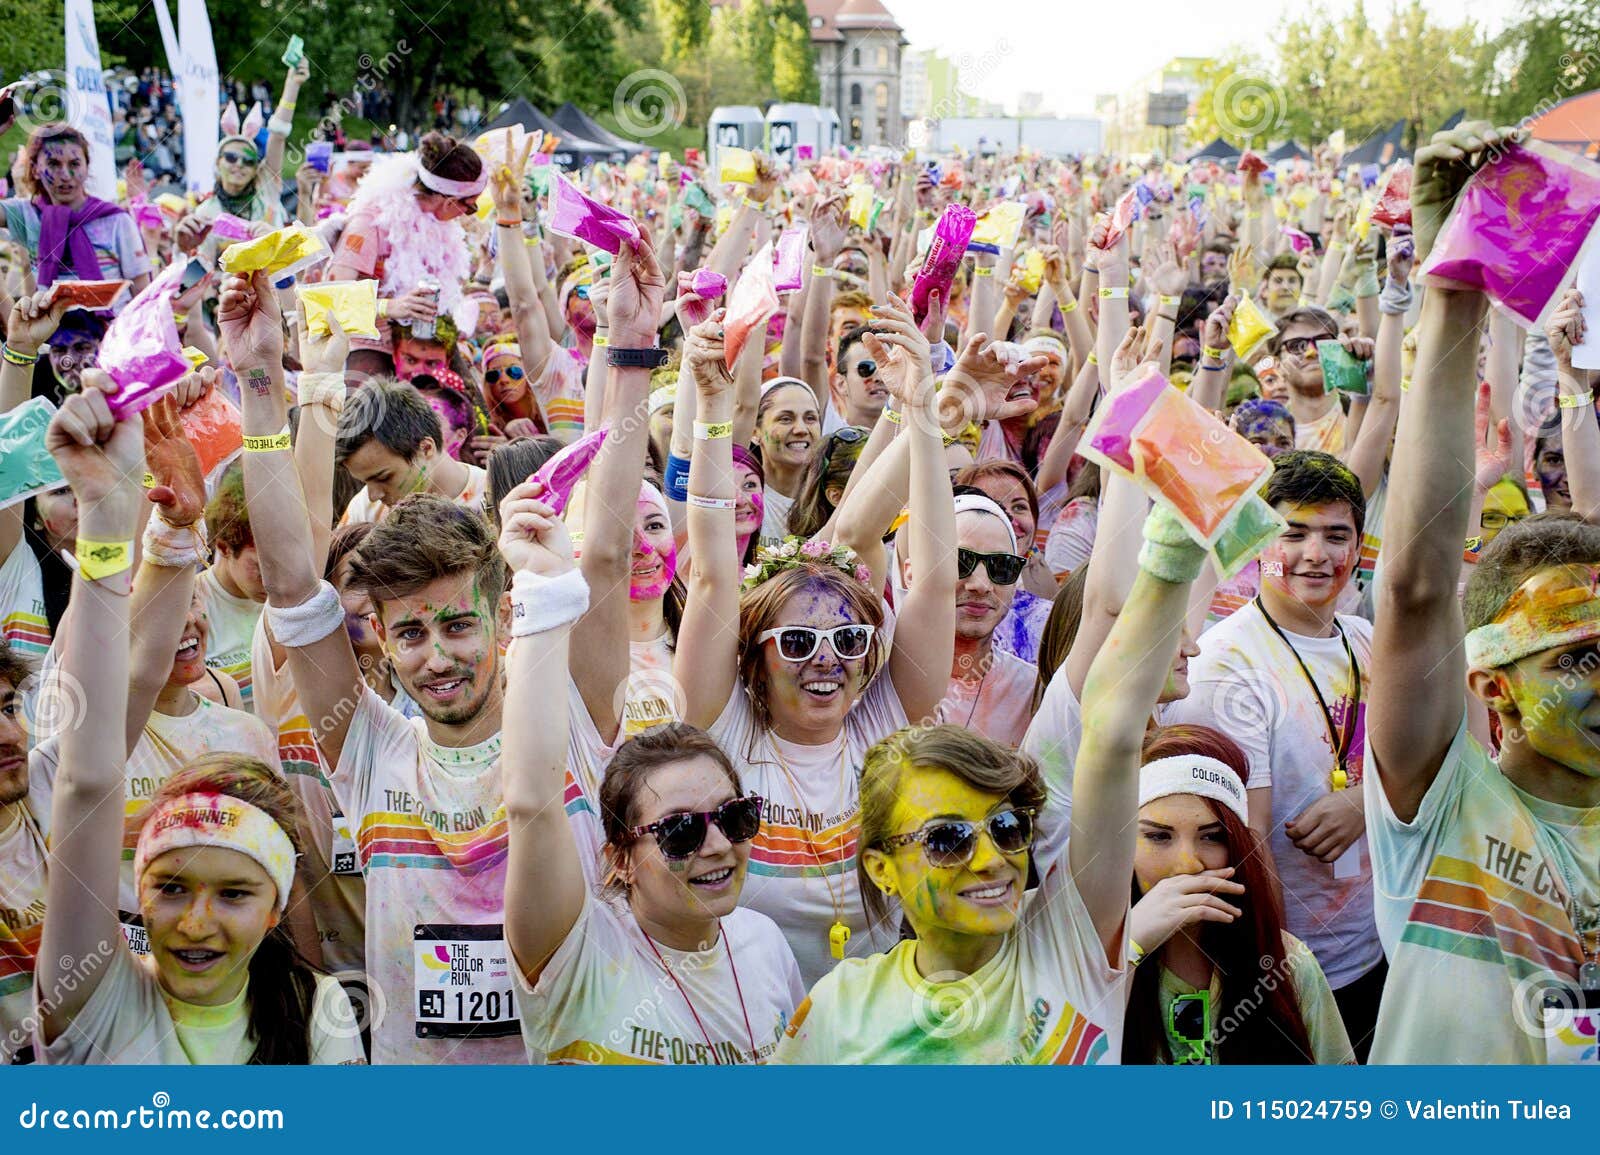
pixel 282 253
pixel 736 166
pixel 1249 330
pixel 355 303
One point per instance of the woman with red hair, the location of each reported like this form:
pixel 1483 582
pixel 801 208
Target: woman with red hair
pixel 1216 978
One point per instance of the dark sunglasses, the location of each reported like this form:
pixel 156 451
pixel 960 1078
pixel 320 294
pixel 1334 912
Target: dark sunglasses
pixel 801 643
pixel 1004 568
pixel 866 369
pixel 682 835
pixel 953 842
pixel 512 373
pixel 1189 1025
pixel 1301 346
pixel 581 292
pixel 231 157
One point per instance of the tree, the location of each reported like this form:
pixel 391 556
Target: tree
pixel 1552 53
pixel 794 64
pixel 1239 101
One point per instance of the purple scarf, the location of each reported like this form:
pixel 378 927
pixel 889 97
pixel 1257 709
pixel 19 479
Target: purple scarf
pixel 64 239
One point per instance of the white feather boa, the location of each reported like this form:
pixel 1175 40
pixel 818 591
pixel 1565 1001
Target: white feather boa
pixel 419 243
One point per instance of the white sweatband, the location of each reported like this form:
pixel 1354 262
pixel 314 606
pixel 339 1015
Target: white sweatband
pixel 542 603
pixel 453 188
pixel 310 621
pixel 174 546
pixel 218 820
pixel 321 389
pixel 1193 774
pixel 978 503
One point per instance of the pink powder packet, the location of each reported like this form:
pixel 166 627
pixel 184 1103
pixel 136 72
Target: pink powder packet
pixel 142 352
pixel 1518 229
pixel 572 214
pixel 1123 214
pixel 694 303
pixel 752 301
pixel 228 227
pixel 561 473
pixel 945 252
pixel 706 284
pixel 789 262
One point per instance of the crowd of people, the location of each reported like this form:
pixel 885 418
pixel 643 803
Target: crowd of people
pixel 729 638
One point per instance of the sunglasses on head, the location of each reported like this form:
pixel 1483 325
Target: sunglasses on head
pixel 682 835
pixel 1004 568
pixel 951 842
pixel 231 157
pixel 512 373
pixel 581 292
pixel 801 643
pixel 866 369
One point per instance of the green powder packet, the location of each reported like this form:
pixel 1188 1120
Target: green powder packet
pixel 1253 528
pixel 26 467
pixel 1341 371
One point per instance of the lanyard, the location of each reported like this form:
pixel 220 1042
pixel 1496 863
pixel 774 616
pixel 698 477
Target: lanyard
pixel 1341 737
pixel 710 1046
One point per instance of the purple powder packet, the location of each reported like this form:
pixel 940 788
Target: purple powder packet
pixel 707 285
pixel 572 214
pixel 228 227
pixel 1111 435
pixel 142 352
pixel 561 473
pixel 949 246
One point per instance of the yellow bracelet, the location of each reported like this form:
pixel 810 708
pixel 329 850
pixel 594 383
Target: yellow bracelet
pixel 821 271
pixel 149 481
pixel 1117 292
pixel 1069 307
pixel 892 416
pixel 102 559
pixel 1136 952
pixel 1166 300
pixel 983 271
pixel 383 308
pixel 601 341
pixel 1213 354
pixel 1573 400
pixel 712 431
pixel 1405 384
pixel 268 444
pixel 1094 358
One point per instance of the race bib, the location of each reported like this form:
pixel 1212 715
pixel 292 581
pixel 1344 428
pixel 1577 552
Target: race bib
pixel 344 847
pixel 463 982
pixel 134 933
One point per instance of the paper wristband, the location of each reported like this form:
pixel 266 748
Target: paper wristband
pixel 600 341
pixel 892 416
pixel 712 502
pixel 268 444
pixel 539 604
pixel 1119 292
pixel 1213 354
pixel 712 431
pixel 983 271
pixel 310 621
pixel 1166 300
pixel 821 271
pixel 1069 307
pixel 102 559
pixel 1573 400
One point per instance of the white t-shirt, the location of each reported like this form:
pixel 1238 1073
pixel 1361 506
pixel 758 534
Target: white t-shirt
pixel 23 624
pixel 1246 683
pixel 1471 903
pixel 604 997
pixel 1072 534
pixel 130 1021
pixel 167 745
pixel 775 516
pixel 1056 732
pixel 23 856
pixel 803 861
pixel 1049 996
pixel 430 828
pixel 999 705
pixel 232 628
pixel 363 508
pixel 653 698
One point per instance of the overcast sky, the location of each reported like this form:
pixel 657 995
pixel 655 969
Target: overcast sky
pixel 1072 51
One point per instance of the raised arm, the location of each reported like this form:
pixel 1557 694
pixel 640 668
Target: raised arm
pixel 706 662
pixel 1580 432
pixel 827 239
pixel 321 398
pixel 282 124
pixel 1119 695
pixel 544 882
pixel 1369 451
pixel 325 672
pixel 534 335
pixel 602 654
pixel 1418 671
pixel 102 459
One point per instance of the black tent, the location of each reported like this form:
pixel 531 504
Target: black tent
pixel 1456 118
pixel 1288 150
pixel 573 119
pixel 1218 149
pixel 1380 148
pixel 572 150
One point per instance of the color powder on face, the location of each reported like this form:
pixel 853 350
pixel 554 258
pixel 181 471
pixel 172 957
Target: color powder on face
pixel 665 549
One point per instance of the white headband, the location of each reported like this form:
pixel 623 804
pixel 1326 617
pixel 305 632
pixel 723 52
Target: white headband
pixel 1193 774
pixel 978 503
pixel 218 820
pixel 452 188
pixel 776 382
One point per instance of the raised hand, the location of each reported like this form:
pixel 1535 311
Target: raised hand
pixel 633 306
pixel 100 457
pixel 247 314
pixel 1443 167
pixel 532 538
pixel 1402 255
pixel 980 386
pixel 902 352
pixel 1491 462
pixel 180 487
pixel 1566 327
pixel 1183 900
pixel 506 183
pixel 703 353
pixel 1215 334
pixel 33 321
pixel 324 352
pixel 829 227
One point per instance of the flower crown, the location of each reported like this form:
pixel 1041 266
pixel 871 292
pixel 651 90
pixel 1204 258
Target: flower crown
pixel 791 552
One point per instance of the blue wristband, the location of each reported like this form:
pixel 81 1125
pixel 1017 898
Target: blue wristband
pixel 677 478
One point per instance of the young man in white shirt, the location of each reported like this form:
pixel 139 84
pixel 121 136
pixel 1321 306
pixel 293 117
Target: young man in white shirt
pixel 1285 676
pixel 857 394
pixel 230 588
pixel 1319 419
pixel 391 442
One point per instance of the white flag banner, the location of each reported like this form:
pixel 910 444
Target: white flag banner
pixel 88 109
pixel 198 97
pixel 169 38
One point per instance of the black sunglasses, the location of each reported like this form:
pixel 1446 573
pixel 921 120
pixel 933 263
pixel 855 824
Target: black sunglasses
pixel 849 435
pixel 866 369
pixel 1004 568
pixel 952 842
pixel 231 157
pixel 1300 346
pixel 681 835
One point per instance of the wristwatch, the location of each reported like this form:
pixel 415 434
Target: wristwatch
pixel 651 358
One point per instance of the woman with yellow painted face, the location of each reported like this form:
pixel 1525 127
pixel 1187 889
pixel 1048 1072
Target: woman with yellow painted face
pixel 951 825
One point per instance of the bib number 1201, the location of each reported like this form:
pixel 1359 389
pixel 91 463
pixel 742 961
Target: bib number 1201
pixel 463 982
